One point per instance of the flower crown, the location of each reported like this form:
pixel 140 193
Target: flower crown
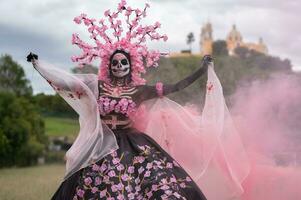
pixel 132 42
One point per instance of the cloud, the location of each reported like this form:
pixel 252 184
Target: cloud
pixel 46 26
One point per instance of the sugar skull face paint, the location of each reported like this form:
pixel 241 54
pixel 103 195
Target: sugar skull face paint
pixel 120 65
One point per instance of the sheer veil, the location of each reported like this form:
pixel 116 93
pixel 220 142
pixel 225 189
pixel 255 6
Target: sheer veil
pixel 208 146
pixel 94 140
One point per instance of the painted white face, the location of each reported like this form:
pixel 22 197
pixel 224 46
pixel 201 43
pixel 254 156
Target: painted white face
pixel 120 65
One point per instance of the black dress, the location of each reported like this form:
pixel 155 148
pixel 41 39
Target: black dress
pixel 140 168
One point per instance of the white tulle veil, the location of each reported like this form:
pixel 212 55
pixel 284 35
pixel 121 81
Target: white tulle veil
pixel 95 140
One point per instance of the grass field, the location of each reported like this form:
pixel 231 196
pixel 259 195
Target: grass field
pixel 32 183
pixel 56 127
pixel 39 182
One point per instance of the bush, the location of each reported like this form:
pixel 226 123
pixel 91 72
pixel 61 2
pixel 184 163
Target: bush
pixel 22 138
pixel 53 105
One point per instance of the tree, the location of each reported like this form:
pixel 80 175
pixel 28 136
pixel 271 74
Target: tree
pixel 22 138
pixel 219 48
pixel 53 105
pixel 190 40
pixel 12 77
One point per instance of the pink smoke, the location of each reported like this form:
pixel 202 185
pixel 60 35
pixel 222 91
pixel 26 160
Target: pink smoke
pixel 268 117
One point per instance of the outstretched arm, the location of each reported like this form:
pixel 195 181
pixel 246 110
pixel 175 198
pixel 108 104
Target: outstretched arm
pixel 49 74
pixel 170 88
pixel 62 81
pixel 149 92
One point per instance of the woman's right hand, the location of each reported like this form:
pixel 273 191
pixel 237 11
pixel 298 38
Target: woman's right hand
pixel 207 60
pixel 31 57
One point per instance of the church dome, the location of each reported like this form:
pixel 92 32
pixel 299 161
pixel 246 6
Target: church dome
pixel 234 35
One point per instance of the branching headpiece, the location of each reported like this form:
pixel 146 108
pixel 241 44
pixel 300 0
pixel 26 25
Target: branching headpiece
pixel 109 36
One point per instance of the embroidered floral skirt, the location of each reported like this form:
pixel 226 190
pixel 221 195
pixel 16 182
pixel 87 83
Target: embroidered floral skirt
pixel 139 169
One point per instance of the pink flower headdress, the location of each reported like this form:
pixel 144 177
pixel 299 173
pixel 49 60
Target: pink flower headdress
pixel 132 42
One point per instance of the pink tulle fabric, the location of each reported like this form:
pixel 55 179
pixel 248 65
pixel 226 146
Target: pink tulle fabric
pixel 207 146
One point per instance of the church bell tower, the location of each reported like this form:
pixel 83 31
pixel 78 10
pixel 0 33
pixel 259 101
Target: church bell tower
pixel 206 39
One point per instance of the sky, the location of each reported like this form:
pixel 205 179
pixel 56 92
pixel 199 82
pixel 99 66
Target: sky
pixel 45 27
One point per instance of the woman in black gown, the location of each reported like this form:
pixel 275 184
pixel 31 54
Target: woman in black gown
pixel 140 168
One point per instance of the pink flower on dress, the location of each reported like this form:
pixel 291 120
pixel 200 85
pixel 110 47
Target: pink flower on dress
pixel 149 194
pixel 120 167
pixel 88 181
pixel 131 195
pixel 169 165
pixel 164 181
pixel 124 106
pixel 120 186
pixel 147 174
pixel 97 181
pixel 112 173
pixel 80 193
pixel 168 192
pixel 129 188
pixel 131 169
pixel 94 190
pixel 140 159
pixel 114 188
pixel 140 170
pixel 120 197
pixel 95 167
pixel 103 167
pixel 137 188
pixel 106 179
pixel 149 165
pixel 177 195
pixel 114 153
pixel 116 161
pixel 103 193
pixel 165 187
pixel 173 180
pixel 188 179
pixel 125 177
pixel 154 187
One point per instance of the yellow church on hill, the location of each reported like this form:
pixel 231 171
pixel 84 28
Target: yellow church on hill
pixel 234 39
